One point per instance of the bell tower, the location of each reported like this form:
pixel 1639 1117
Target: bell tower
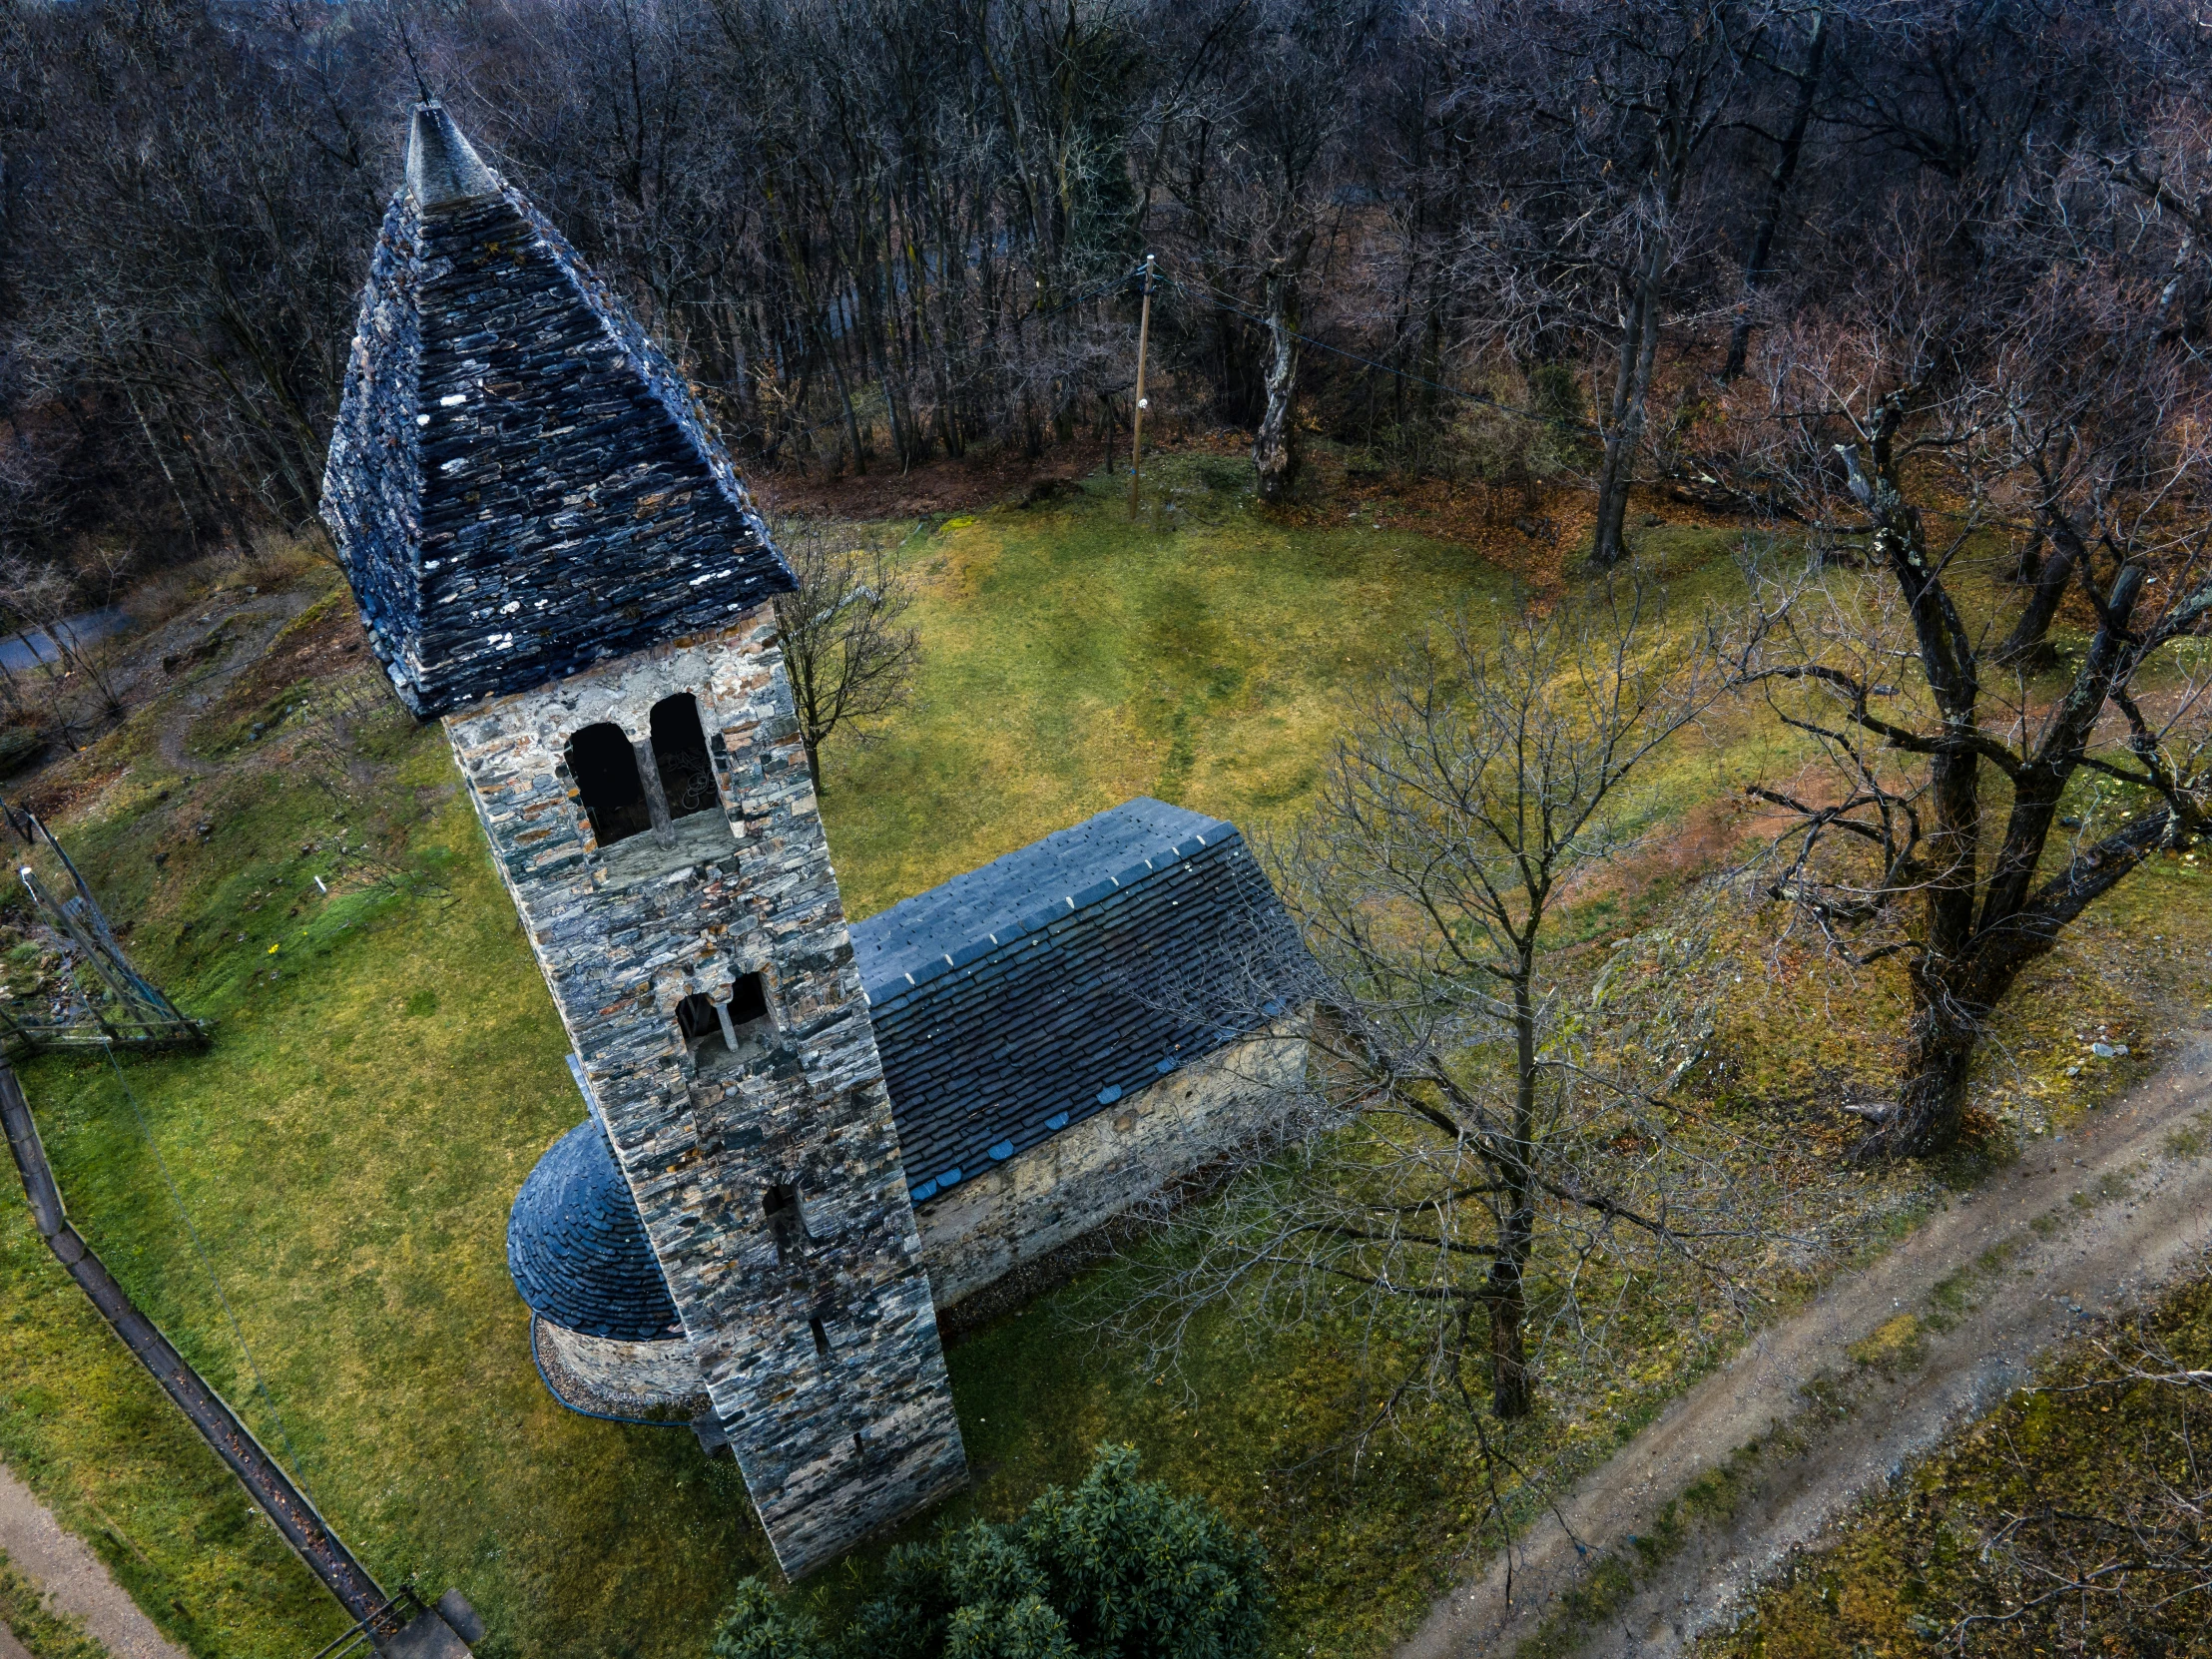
pixel 553 553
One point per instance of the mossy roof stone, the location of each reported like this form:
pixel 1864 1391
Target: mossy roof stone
pixel 520 483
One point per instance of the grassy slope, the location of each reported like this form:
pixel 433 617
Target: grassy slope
pixel 1075 660
pixel 350 1147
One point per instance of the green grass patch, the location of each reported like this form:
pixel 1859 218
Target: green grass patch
pixel 1073 659
pixel 1895 1345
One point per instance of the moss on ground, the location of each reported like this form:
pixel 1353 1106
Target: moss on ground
pixel 44 1633
pixel 1921 1569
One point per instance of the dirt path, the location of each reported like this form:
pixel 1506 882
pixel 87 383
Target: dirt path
pixel 74 1579
pixel 269 617
pixel 1872 1373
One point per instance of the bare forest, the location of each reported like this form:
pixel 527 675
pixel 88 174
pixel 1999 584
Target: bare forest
pixel 882 232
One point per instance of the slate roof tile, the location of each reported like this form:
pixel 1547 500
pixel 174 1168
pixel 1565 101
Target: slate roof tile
pixel 1087 938
pixel 577 1250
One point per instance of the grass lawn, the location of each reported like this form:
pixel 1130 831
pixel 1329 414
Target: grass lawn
pixel 1203 656
pixel 381 1084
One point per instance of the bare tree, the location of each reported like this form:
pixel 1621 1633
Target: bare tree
pixel 39 600
pixel 329 738
pixel 1804 78
pixel 845 649
pixel 1474 1133
pixel 1593 224
pixel 1963 820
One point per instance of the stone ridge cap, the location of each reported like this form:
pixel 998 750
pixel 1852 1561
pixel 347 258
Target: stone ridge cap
pixel 1042 892
pixel 442 166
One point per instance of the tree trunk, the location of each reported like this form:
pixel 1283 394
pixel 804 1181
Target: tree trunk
pixel 1778 190
pixel 1275 449
pixel 1949 1002
pixel 1506 1291
pixel 1509 1391
pixel 1931 1090
pixel 2027 646
pixel 1624 430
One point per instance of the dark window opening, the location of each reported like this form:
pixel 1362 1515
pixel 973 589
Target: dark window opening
pixel 748 1000
pixel 859 1445
pixel 605 768
pixel 680 751
pixel 786 1222
pixel 697 1019
pixel 713 1030
pixel 821 1338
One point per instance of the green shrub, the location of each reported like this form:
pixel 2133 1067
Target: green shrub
pixel 758 1626
pixel 1118 1568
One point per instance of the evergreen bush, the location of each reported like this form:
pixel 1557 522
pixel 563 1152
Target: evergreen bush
pixel 1118 1568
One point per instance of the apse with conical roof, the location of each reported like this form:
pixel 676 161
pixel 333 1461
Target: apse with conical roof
pixel 520 483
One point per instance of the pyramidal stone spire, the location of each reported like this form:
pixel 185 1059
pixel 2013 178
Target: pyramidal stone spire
pixel 520 483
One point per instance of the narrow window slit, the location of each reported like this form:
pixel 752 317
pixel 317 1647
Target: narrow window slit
pixel 786 1222
pixel 821 1338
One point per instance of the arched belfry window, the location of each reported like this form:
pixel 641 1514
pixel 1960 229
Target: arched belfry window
pixel 680 753
pixel 605 768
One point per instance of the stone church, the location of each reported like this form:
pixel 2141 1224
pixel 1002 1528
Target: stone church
pixel 803 1138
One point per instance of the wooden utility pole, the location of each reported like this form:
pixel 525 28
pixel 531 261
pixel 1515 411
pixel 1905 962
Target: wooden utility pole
pixel 1136 415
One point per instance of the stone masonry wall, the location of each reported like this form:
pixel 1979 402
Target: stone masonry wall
pixel 831 1443
pixel 1093 1170
pixel 636 1374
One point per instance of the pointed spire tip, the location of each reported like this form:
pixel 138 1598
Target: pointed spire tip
pixel 442 166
